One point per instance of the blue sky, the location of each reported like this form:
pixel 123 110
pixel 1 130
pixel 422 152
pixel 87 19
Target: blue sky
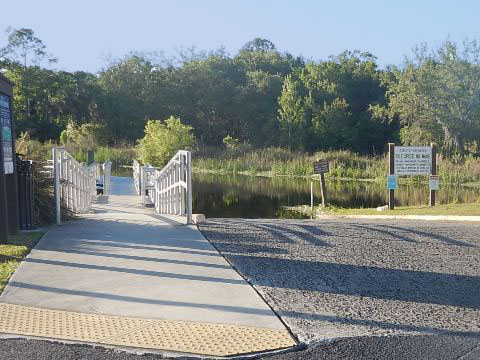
pixel 82 33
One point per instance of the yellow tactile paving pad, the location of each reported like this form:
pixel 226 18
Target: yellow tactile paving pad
pixel 179 336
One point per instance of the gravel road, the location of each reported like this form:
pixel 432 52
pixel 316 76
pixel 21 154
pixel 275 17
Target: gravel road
pixel 344 278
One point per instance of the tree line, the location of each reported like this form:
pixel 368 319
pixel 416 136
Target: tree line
pixel 259 96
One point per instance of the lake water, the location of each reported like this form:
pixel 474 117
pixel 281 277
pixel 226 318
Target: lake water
pixel 260 197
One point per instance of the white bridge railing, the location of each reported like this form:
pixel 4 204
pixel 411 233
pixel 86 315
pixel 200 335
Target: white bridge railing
pixel 107 175
pixel 75 184
pixel 168 189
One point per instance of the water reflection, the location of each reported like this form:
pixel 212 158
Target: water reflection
pixel 121 170
pixel 257 197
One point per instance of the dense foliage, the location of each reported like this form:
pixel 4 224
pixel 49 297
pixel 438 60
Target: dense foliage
pixel 259 96
pixel 163 139
pixel 437 97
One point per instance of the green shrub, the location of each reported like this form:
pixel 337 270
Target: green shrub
pixel 85 136
pixel 30 149
pixel 163 139
pixel 230 142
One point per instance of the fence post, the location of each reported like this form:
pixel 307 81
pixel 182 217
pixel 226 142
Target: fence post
pixel 142 191
pixel 189 187
pixel 32 195
pixel 56 184
pixel 182 189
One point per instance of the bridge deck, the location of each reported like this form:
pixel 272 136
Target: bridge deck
pixel 125 260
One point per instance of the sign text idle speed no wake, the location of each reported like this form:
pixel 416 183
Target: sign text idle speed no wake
pixel 413 160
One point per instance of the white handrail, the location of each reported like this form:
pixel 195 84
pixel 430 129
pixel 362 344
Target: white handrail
pixel 74 184
pixel 136 176
pixel 169 189
pixel 107 174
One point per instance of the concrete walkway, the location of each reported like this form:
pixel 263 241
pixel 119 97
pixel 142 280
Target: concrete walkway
pixel 125 260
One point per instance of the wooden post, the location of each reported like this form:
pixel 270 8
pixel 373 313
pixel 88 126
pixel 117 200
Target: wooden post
pixel 90 157
pixel 391 171
pixel 311 195
pixel 324 189
pixel 433 172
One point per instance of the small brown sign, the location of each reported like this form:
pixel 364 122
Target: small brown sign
pixel 320 167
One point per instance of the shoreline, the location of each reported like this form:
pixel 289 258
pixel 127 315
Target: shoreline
pixel 268 174
pixel 446 212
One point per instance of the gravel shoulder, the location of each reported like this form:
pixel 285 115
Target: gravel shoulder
pixel 329 279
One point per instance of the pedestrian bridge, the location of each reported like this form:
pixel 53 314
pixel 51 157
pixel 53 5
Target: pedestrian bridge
pixel 136 276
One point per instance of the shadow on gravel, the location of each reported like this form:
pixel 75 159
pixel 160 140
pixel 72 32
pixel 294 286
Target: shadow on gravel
pixel 302 233
pixel 431 235
pixel 378 324
pixel 287 232
pixel 382 283
pixel 392 348
pixel 397 232
pixel 390 234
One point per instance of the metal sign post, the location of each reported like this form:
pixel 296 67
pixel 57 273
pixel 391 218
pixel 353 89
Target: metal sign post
pixel 433 172
pixel 391 171
pixel 311 195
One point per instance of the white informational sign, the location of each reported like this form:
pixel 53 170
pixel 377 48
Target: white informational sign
pixel 8 167
pixel 434 182
pixel 413 160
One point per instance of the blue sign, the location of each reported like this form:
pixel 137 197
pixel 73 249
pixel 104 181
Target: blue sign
pixel 392 182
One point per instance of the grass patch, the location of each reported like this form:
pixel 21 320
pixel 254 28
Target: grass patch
pixel 344 164
pixel 13 252
pixel 450 209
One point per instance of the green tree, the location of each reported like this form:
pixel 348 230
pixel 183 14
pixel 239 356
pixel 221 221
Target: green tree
pixel 258 122
pixel 338 97
pixel 163 139
pixel 259 44
pixel 86 136
pixel 129 87
pixel 437 96
pixel 25 49
pixel 208 94
pixel 332 123
pixel 291 114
